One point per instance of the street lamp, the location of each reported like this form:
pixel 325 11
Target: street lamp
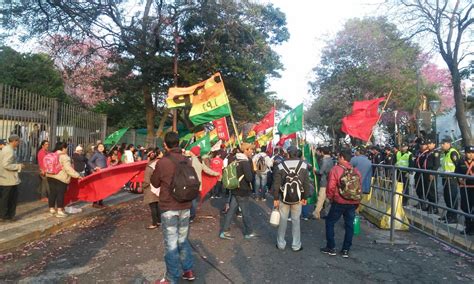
pixel 419 124
pixel 434 106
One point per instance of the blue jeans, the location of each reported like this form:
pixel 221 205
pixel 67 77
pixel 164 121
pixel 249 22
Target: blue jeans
pixel 235 203
pixel 348 212
pixel 307 210
pixel 178 254
pixel 260 184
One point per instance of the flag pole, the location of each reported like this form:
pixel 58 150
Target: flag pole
pixel 380 116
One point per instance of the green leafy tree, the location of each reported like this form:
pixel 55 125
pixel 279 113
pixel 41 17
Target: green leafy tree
pixel 233 37
pixel 366 59
pixel 32 72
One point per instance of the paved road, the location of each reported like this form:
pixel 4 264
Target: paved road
pixel 115 247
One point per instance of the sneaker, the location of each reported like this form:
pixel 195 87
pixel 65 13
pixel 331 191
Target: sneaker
pixel 345 253
pixel 239 215
pixel 226 236
pixel 297 250
pixel 52 211
pixel 250 236
pixel 264 199
pixel 189 275
pixel 162 281
pixel 329 251
pixel 305 219
pixel 61 214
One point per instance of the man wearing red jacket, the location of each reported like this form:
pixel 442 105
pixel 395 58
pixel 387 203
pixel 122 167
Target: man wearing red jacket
pixel 340 206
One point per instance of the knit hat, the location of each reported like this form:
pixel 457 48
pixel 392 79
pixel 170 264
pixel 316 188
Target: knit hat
pixel 196 150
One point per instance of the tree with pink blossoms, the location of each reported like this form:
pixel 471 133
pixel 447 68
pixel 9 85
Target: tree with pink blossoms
pixel 83 64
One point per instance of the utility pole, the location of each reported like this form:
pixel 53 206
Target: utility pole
pixel 175 74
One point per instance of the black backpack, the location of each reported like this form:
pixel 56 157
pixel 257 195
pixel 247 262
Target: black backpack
pixel 292 188
pixel 185 186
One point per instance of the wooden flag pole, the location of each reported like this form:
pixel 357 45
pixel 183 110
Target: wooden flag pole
pixel 234 125
pixel 380 116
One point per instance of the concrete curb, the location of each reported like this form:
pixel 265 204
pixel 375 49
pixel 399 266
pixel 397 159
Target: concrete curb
pixel 10 240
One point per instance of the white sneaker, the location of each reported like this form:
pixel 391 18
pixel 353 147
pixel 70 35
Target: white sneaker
pixel 52 211
pixel 61 214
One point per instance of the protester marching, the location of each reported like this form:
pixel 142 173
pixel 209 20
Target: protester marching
pixel 303 182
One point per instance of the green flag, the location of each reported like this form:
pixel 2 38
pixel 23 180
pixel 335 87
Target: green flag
pixel 204 143
pixel 311 159
pixel 115 137
pixel 292 122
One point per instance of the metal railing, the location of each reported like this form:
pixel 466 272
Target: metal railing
pixel 35 118
pixel 434 203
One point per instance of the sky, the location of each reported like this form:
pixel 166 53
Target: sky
pixel 310 24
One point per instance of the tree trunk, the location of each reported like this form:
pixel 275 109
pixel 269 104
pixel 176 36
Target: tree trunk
pixel 460 107
pixel 150 117
pixel 163 119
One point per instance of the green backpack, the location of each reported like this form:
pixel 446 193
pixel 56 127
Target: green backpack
pixel 229 176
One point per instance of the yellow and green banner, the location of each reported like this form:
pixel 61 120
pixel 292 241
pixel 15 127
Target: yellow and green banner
pixel 208 100
pixel 265 138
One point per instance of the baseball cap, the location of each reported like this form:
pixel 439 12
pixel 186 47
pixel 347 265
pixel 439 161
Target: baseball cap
pixel 447 139
pixel 469 149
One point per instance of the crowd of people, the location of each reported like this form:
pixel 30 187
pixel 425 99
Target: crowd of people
pixel 55 173
pixel 245 173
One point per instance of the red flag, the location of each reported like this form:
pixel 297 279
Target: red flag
pixel 267 121
pixel 270 149
pixel 208 182
pixel 104 183
pixel 285 137
pixel 221 128
pixel 364 116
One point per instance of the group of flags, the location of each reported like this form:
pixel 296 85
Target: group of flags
pixel 209 102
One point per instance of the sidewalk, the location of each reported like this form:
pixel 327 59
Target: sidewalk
pixel 35 222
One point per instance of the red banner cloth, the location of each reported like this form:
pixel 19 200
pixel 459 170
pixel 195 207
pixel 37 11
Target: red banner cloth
pixel 222 129
pixel 270 149
pixel 364 116
pixel 267 121
pixel 104 183
pixel 208 182
pixel 285 137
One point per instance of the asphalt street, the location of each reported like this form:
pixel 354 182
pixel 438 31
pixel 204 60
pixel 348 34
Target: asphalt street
pixel 115 247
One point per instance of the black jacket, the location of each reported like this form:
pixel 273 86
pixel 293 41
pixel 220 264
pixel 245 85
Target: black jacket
pixel 244 169
pixel 280 176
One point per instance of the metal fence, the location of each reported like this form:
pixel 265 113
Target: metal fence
pixel 36 118
pixel 434 203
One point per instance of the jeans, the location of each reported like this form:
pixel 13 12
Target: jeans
pixel 307 210
pixel 8 200
pixel 260 185
pixel 348 212
pixel 295 225
pixel 178 254
pixel 57 189
pixel 243 203
pixel 194 206
pixel 155 213
pixel 217 189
